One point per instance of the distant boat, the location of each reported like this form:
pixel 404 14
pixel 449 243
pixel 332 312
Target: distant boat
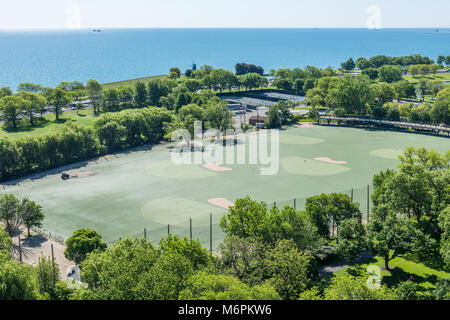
pixel 96 30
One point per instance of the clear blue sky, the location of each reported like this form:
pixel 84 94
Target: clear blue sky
pixel 223 13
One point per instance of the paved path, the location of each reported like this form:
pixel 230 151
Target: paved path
pixel 38 245
pixel 342 264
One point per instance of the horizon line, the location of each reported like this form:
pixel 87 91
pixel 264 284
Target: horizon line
pixel 131 27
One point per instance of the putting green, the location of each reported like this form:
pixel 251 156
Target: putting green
pixel 167 169
pixel 386 153
pixel 308 167
pixel 176 210
pixel 289 138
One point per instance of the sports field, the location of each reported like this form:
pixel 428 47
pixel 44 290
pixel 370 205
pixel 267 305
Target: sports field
pixel 144 189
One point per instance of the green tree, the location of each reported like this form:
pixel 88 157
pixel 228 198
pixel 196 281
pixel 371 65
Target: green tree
pixel 165 279
pixel 10 213
pixel 17 281
pixel 348 287
pixel 351 95
pixel 327 211
pixel 273 117
pixel 140 93
pixel 5 91
pixel 440 111
pixel 29 87
pixel 31 214
pixel 94 90
pixel 444 224
pixel 5 243
pixel 407 290
pixel 390 74
pixel 175 72
pixel 12 107
pixel 243 259
pixel 36 104
pixel 117 272
pixel 110 133
pixel 372 73
pixel 192 250
pixel 291 271
pixel 111 99
pixel 47 275
pixel 390 236
pixel 82 242
pixel 204 286
pixel 423 87
pixel 413 70
pixel 363 63
pixel 351 239
pixel 348 65
pixel 218 116
pixel 59 99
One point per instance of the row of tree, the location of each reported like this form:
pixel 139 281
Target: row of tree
pixel 359 97
pixel 382 60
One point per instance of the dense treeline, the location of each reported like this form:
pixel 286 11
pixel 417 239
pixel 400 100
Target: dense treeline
pixel 270 253
pixel 383 60
pixel 358 96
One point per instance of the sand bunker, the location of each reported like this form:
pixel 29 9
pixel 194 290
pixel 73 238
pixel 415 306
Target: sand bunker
pixel 81 174
pixel 216 167
pixel 328 160
pixel 221 202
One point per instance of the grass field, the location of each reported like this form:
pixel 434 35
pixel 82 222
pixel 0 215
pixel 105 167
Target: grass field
pixel 131 82
pixel 402 269
pixel 438 77
pixel 145 189
pixel 41 126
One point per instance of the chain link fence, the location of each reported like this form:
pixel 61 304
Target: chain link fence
pixel 207 229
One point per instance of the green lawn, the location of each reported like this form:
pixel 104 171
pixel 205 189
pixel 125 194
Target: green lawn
pixel 438 77
pixel 131 82
pixel 402 269
pixel 41 126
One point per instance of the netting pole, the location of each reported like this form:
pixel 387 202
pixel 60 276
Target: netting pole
pixel 368 202
pixel 190 228
pixel 145 233
pixel 168 229
pixel 295 206
pixel 274 203
pixel 53 264
pixel 351 194
pixel 210 232
pixel 20 250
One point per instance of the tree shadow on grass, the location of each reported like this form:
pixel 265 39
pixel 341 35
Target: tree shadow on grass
pixel 38 123
pixel 398 275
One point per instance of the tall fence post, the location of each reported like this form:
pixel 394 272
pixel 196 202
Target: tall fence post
pixel 20 249
pixel 210 232
pixel 53 264
pixel 368 202
pixel 190 228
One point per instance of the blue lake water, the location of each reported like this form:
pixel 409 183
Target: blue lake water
pixel 49 57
